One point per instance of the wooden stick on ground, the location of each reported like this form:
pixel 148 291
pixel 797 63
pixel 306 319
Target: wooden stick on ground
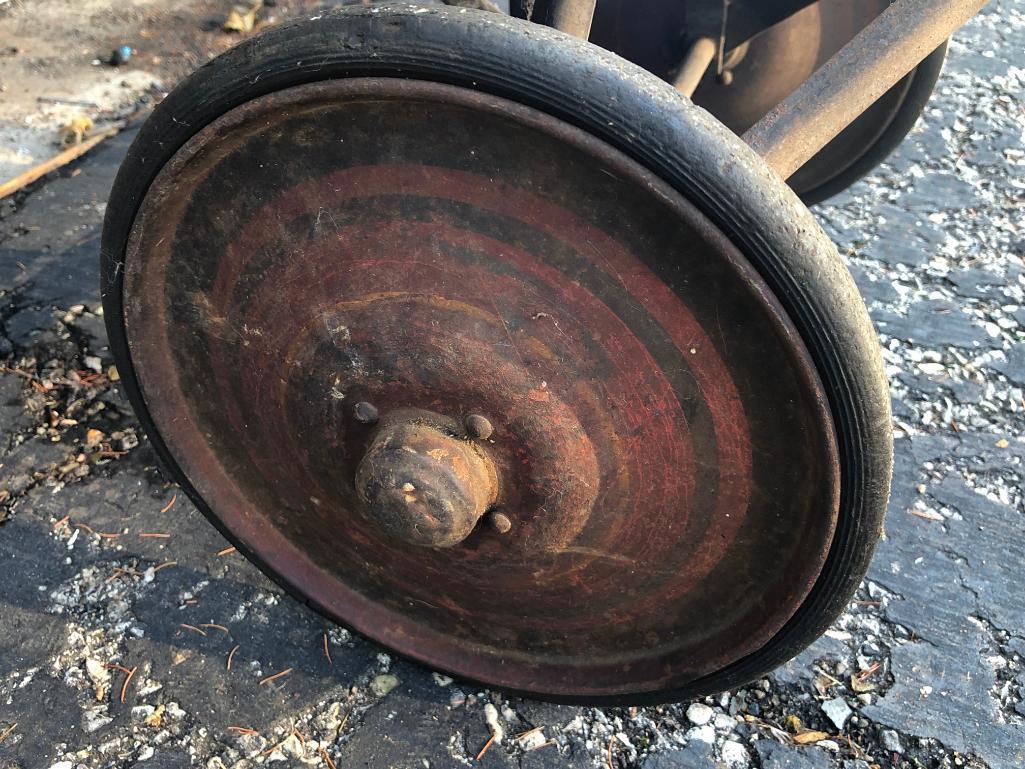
pixel 59 160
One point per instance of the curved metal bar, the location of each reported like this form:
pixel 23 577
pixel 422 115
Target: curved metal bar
pixel 854 78
pixel 701 54
pixel 574 17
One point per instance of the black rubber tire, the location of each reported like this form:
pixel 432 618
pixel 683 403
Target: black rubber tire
pixel 642 117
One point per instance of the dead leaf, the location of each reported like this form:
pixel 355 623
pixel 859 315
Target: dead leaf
pixel 100 676
pixel 241 19
pixel 75 130
pixel 793 724
pixel 929 515
pixel 155 718
pixel 807 738
pixel 861 685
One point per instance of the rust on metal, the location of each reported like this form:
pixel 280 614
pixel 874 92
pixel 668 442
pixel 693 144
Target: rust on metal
pixel 420 482
pixel 573 17
pixel 854 78
pixel 479 427
pixel 661 446
pixel 365 412
pixel 500 522
pixel 699 57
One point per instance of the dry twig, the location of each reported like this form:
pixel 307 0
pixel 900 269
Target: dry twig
pixel 865 674
pixel 231 656
pixel 487 745
pixel 128 678
pixel 169 504
pixel 7 732
pixel 59 160
pixel 276 676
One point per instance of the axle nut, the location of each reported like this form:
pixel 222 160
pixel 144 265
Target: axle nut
pixel 424 486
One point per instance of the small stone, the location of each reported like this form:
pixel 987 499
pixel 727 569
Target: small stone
pixel 251 744
pixel 735 755
pixel 330 719
pixel 890 741
pixel 723 722
pixel 837 711
pixel 532 740
pixel 441 680
pixel 292 746
pixel 702 734
pixel 775 755
pixel 94 720
pixel 62 765
pixel 383 684
pixel 142 712
pixel 696 755
pixel 99 673
pixel 699 714
pixel 491 718
pixel 457 700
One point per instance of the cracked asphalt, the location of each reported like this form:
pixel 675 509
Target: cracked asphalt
pixel 131 635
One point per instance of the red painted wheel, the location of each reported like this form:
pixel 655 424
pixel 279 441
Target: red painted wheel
pixel 473 380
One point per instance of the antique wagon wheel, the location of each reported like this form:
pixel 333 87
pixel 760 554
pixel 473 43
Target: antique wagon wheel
pixel 490 346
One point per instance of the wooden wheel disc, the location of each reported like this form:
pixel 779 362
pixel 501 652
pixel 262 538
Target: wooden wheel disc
pixel 661 442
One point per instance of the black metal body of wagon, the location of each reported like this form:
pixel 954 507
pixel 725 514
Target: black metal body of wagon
pixel 514 355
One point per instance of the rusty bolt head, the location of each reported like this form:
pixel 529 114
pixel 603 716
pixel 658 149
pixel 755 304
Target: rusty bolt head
pixel 365 413
pixel 478 427
pixel 500 522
